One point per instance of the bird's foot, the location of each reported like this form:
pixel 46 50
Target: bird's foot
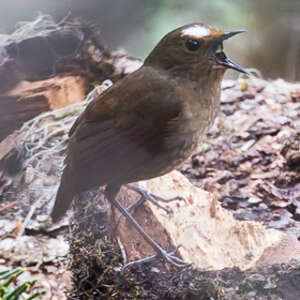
pixel 172 259
pixel 169 257
pixel 146 195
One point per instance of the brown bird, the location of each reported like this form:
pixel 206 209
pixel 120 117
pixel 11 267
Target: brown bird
pixel 150 122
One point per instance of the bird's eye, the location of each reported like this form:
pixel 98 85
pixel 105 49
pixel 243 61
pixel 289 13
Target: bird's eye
pixel 192 45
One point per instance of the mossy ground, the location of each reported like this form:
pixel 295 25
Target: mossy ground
pixel 96 264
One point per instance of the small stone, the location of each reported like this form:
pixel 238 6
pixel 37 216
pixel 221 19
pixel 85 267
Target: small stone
pixel 254 200
pixel 155 270
pixel 41 218
pixel 51 269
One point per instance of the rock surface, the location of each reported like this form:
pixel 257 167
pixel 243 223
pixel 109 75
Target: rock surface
pixel 209 235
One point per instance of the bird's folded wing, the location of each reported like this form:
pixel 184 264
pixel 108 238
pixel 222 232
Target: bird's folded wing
pixel 121 133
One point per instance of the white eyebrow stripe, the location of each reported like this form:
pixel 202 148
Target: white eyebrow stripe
pixel 196 31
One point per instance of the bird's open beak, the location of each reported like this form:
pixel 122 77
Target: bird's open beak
pixel 228 34
pixel 221 58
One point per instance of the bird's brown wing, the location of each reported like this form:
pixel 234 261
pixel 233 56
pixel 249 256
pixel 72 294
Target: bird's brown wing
pixel 119 137
pixel 121 132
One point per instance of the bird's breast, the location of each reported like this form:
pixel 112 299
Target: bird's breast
pixel 190 129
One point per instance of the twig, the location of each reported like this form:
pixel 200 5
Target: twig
pixel 8 206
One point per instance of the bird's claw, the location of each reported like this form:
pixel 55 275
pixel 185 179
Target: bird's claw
pixel 169 257
pixel 172 259
pixel 146 195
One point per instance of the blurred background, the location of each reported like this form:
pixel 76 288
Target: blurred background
pixel 271 45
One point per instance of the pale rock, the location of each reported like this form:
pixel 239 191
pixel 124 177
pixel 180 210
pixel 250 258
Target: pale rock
pixel 209 235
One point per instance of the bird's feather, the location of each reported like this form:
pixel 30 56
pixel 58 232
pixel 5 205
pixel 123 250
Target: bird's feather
pixel 116 138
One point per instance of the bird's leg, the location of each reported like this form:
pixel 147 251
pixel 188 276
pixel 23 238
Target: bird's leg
pixel 110 193
pixel 130 208
pixel 146 195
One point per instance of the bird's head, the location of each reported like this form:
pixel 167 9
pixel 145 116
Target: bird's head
pixel 195 48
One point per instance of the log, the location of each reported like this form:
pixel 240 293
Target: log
pixel 45 66
pixel 29 99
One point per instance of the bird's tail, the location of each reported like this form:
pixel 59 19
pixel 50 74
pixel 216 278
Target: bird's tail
pixel 64 197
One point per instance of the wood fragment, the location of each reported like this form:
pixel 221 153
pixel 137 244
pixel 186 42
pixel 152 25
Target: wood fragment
pixel 8 206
